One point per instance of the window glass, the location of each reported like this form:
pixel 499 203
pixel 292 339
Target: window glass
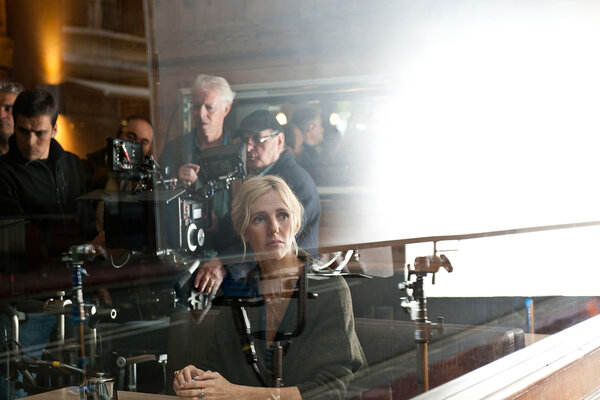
pixel 444 155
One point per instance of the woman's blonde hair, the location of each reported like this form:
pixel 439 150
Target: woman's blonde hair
pixel 256 187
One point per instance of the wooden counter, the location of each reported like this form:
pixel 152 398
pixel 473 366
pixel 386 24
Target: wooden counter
pixel 71 393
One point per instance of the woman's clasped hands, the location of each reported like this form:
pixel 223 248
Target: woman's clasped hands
pixel 192 382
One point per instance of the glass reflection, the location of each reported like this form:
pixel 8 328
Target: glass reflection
pixel 469 125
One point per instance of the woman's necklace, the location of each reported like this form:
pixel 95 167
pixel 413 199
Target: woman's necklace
pixel 278 282
pixel 277 293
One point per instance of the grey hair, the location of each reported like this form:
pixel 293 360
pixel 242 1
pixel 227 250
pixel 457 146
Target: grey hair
pixel 204 81
pixel 11 87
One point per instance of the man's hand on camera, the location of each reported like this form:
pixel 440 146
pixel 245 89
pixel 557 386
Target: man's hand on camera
pixel 210 276
pixel 188 174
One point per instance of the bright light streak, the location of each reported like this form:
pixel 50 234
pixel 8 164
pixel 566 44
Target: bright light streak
pixel 281 118
pixel 495 127
pixel 335 119
pixel 529 264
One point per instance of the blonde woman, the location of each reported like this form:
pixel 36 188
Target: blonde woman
pixel 320 362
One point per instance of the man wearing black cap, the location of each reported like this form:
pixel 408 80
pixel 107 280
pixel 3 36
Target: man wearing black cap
pixel 266 155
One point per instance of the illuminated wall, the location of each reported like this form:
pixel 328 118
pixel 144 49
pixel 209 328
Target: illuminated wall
pixel 36 28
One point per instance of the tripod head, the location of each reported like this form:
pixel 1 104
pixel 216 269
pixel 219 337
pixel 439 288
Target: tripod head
pixel 415 303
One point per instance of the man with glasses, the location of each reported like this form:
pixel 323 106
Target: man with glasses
pixel 139 130
pixel 266 154
pixel 134 128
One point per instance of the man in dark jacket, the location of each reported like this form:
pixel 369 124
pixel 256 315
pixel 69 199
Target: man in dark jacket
pixel 211 102
pixel 266 155
pixel 37 176
pixel 134 128
pixel 318 156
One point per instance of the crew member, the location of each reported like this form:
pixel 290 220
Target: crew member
pixel 134 129
pixel 211 102
pixel 294 140
pixel 8 93
pixel 266 155
pixel 313 158
pixel 37 176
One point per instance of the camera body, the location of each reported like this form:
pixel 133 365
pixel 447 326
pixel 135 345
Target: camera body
pixel 157 221
pixel 153 214
pixel 127 163
pixel 124 155
pixel 220 165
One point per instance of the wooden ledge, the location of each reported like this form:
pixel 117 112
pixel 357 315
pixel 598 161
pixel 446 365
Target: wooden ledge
pixel 565 365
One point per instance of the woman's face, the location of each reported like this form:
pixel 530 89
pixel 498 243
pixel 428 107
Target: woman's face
pixel 270 231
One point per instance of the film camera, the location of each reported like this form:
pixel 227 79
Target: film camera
pixel 150 212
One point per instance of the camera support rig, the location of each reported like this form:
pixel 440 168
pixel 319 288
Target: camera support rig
pixel 75 258
pixel 416 305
